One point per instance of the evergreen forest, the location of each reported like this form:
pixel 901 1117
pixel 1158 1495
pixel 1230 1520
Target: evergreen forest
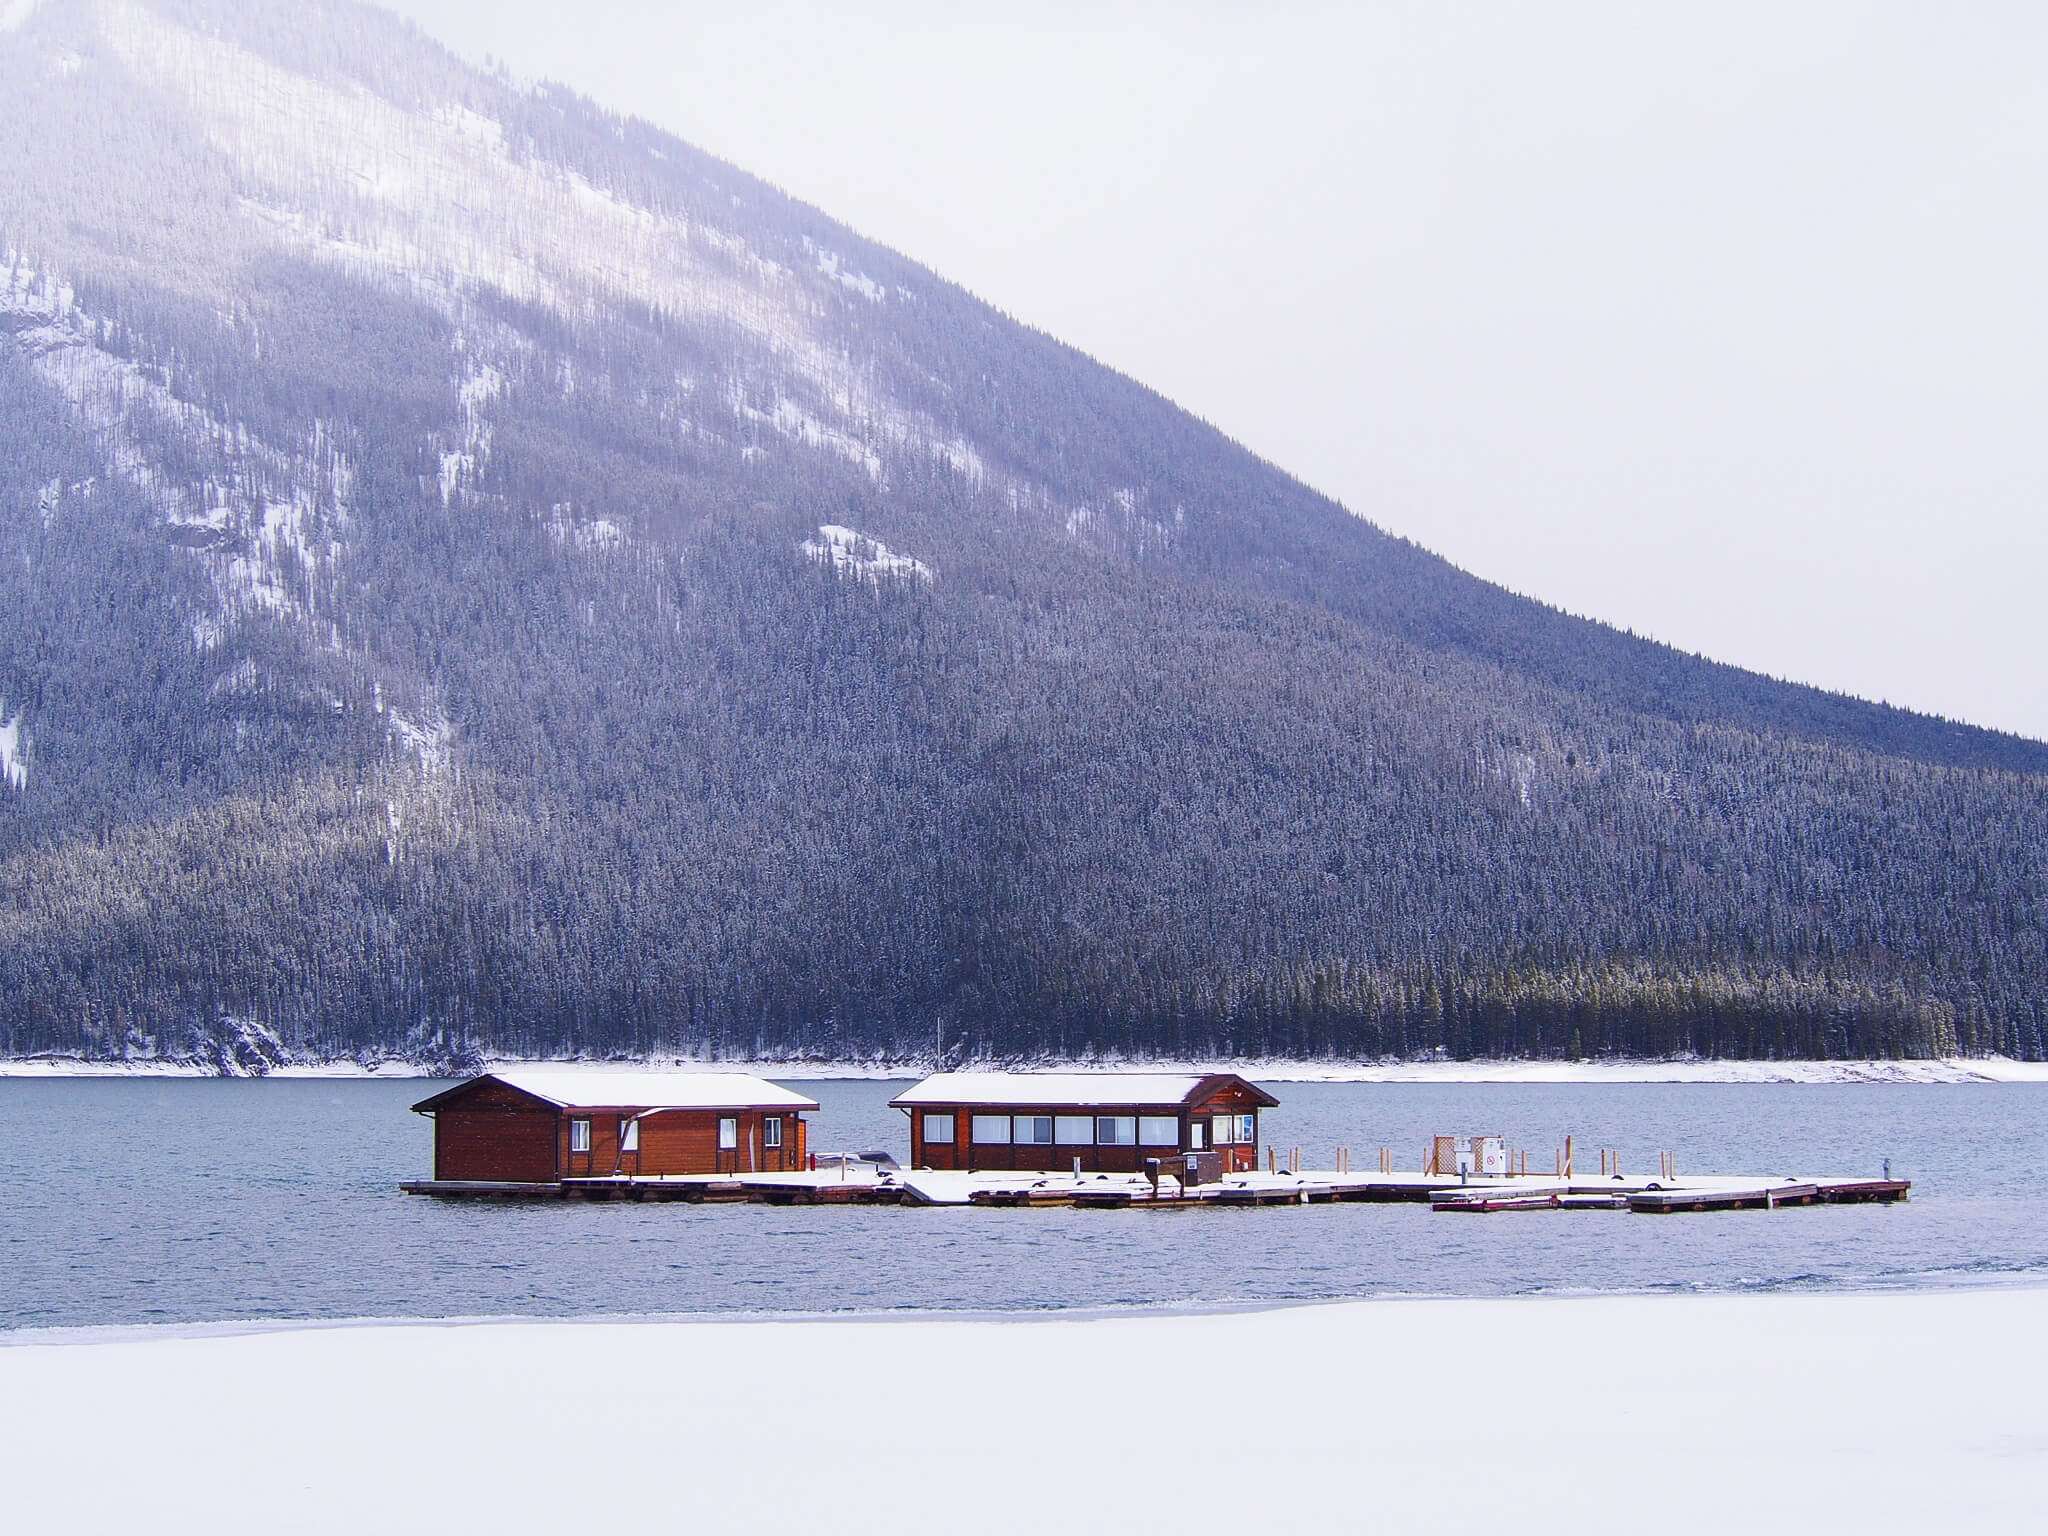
pixel 479 576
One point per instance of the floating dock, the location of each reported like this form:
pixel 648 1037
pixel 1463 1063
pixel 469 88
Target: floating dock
pixel 820 1188
pixel 1477 1194
pixel 1473 1193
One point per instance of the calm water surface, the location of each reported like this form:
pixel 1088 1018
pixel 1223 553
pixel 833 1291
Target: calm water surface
pixel 199 1201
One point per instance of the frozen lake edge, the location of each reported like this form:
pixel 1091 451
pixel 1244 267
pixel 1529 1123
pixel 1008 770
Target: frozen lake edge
pixel 1988 1069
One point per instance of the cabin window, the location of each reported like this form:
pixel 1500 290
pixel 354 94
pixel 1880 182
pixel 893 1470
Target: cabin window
pixel 1033 1130
pixel 938 1128
pixel 771 1131
pixel 629 1136
pixel 1074 1130
pixel 579 1135
pixel 1159 1130
pixel 728 1133
pixel 1116 1130
pixel 992 1130
pixel 1247 1129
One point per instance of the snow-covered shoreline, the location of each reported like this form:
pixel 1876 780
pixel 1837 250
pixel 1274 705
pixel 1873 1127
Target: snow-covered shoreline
pixel 1987 1069
pixel 1870 1412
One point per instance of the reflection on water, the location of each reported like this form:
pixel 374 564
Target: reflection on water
pixel 188 1201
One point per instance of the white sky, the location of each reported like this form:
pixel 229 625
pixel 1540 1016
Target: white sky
pixel 1727 323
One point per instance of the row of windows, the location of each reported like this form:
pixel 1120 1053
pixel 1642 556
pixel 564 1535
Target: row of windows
pixel 629 1134
pixel 1093 1130
pixel 1062 1130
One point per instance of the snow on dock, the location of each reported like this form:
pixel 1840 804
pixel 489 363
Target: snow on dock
pixel 1469 1193
pixel 858 1182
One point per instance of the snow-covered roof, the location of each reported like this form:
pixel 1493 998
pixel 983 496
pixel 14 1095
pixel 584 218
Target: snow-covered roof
pixel 1133 1090
pixel 570 1087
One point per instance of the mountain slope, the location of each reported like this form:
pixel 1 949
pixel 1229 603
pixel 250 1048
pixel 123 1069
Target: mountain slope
pixel 474 571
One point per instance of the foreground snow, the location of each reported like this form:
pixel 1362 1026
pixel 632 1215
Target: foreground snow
pixel 1973 1069
pixel 1916 1412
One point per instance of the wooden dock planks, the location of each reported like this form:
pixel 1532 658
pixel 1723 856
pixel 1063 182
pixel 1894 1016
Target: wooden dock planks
pixel 1473 1196
pixel 1664 1202
pixel 482 1189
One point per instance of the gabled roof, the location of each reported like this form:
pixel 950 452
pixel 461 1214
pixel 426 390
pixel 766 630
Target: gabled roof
pixel 1092 1090
pixel 570 1088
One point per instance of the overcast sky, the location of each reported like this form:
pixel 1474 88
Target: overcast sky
pixel 1728 324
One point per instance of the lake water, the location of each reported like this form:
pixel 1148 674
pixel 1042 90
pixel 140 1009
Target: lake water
pixel 184 1201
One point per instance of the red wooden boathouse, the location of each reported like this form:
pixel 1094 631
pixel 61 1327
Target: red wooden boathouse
pixel 1110 1122
pixel 539 1125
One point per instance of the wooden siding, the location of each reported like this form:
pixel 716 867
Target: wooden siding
pixel 685 1141
pixel 495 1134
pixel 498 1143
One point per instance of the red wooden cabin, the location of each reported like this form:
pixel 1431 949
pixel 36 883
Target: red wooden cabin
pixel 1111 1122
pixel 538 1125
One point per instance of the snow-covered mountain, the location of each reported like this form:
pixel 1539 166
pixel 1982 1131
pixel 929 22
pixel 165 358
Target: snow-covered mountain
pixel 475 570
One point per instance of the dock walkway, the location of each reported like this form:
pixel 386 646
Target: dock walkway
pixel 1473 1194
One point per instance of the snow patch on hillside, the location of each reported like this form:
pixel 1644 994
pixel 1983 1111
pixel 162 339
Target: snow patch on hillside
pixel 440 202
pixel 457 468
pixel 473 126
pixel 14 14
pixel 789 419
pixel 440 196
pixel 828 263
pixel 431 742
pixel 792 420
pixel 590 536
pixel 1119 522
pixel 481 384
pixel 268 551
pixel 958 455
pixel 13 757
pixel 852 553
